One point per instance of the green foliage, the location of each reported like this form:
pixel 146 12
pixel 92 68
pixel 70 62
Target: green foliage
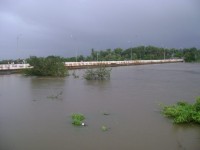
pixel 77 119
pixel 49 66
pixel 78 116
pixel 134 53
pixel 197 104
pixel 191 55
pixel 16 61
pixel 139 52
pixel 104 128
pixel 55 96
pixel 100 73
pixel 183 112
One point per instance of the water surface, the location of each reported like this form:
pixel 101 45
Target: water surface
pixel 32 119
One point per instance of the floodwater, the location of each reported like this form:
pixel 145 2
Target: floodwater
pixel 35 112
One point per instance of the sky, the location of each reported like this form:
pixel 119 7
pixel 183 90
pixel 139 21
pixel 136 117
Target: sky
pixel 73 27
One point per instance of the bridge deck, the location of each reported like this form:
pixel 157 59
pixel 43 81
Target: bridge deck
pixel 71 65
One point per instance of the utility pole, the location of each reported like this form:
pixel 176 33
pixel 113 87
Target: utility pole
pixel 18 37
pixel 97 57
pixel 74 47
pixel 131 53
pixel 131 49
pixel 76 56
pixel 17 43
pixel 164 53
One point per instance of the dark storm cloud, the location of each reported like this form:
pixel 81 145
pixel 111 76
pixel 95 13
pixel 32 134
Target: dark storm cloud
pixel 67 27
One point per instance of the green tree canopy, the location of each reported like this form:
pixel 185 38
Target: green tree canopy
pixel 49 66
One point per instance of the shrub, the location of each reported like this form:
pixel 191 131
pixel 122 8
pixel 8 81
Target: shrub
pixel 101 73
pixel 197 104
pixel 104 128
pixel 183 112
pixel 49 66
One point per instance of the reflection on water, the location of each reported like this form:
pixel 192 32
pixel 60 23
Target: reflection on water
pixel 35 112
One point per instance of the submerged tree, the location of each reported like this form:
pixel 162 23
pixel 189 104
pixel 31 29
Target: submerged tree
pixel 100 73
pixel 49 66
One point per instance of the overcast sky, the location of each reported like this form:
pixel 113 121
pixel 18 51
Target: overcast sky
pixel 70 27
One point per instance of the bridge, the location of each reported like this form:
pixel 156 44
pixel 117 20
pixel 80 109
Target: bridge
pixel 76 65
pixel 13 68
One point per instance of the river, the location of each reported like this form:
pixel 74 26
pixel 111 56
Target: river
pixel 33 118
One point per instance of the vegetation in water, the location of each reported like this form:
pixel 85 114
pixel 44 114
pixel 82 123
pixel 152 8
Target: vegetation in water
pixel 106 113
pixel 100 73
pixel 55 96
pixel 49 66
pixel 77 119
pixel 75 75
pixel 183 112
pixel 104 128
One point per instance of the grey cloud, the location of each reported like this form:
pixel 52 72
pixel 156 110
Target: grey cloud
pixel 67 27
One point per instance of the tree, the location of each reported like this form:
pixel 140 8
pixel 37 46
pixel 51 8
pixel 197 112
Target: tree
pixel 93 55
pixel 189 54
pixel 118 51
pixel 49 66
pixel 101 73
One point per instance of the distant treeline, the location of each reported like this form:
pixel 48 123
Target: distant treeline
pixel 139 53
pixel 9 61
pixel 133 53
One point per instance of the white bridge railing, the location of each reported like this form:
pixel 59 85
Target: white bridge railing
pixel 129 62
pixel 91 63
pixel 14 66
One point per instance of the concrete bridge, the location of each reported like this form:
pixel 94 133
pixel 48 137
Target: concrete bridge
pixel 75 65
pixel 12 68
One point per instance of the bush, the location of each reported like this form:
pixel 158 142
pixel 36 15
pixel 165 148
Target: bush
pixel 104 128
pixel 197 104
pixel 189 57
pixel 49 66
pixel 184 112
pixel 100 73
pixel 77 119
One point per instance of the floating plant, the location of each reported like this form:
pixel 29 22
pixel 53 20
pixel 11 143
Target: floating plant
pixel 77 119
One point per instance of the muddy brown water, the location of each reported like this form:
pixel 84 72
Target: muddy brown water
pixel 33 118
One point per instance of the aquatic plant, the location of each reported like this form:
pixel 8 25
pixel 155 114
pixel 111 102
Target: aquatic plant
pixel 56 96
pixel 183 112
pixel 104 128
pixel 77 119
pixel 75 75
pixel 106 113
pixel 101 73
